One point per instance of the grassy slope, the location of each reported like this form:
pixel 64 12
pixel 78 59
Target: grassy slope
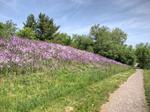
pixel 147 86
pixel 83 87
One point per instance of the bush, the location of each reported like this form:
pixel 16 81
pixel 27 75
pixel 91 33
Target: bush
pixel 83 42
pixel 7 29
pixel 26 33
pixel 143 55
pixel 62 38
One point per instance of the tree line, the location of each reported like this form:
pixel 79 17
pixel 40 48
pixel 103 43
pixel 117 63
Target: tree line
pixel 100 40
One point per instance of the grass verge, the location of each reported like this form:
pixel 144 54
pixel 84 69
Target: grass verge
pixel 82 87
pixel 147 86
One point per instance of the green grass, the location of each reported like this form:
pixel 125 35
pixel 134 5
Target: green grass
pixel 81 86
pixel 147 86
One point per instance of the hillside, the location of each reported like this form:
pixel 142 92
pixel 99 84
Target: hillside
pixel 74 56
pixel 19 51
pixel 39 76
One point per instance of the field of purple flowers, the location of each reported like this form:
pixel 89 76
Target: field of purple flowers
pixel 20 51
pixel 39 76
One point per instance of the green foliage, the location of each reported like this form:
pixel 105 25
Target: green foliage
pixel 126 55
pixel 31 22
pixel 118 36
pixel 1 28
pixel 46 29
pixel 111 44
pixel 7 29
pixel 100 34
pixel 82 42
pixel 143 55
pixel 101 39
pixel 147 86
pixel 84 87
pixel 62 38
pixel 105 42
pixel 26 33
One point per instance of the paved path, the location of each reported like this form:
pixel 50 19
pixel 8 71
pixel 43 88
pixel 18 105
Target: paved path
pixel 129 97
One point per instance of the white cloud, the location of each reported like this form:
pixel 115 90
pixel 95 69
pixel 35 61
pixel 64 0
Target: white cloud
pixel 125 3
pixel 9 3
pixel 82 2
pixel 78 1
pixel 134 6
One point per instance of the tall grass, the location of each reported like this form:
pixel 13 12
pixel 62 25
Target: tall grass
pixel 147 86
pixel 44 77
pixel 82 86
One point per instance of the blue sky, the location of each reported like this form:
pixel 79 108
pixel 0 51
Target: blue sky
pixel 77 16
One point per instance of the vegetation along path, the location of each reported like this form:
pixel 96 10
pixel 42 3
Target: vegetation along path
pixel 129 97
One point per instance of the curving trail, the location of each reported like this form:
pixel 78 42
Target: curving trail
pixel 129 97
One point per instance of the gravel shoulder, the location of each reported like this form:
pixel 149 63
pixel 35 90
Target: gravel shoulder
pixel 129 97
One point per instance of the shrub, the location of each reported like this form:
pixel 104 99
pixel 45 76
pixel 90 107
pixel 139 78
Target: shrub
pixel 7 29
pixel 26 33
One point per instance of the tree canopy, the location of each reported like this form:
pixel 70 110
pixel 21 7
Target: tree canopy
pixel 62 38
pixel 31 22
pixel 82 42
pixel 110 43
pixel 143 55
pixel 44 27
pixel 7 29
pixel 26 32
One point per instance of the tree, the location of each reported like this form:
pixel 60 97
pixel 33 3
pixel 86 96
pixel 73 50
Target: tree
pixel 118 36
pixel 46 29
pixel 30 22
pixel 7 29
pixel 126 54
pixel 82 42
pixel 98 32
pixel 1 28
pixel 62 38
pixel 101 38
pixel 111 44
pixel 26 33
pixel 143 55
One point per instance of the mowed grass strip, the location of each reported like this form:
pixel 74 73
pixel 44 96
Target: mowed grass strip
pixel 81 87
pixel 147 86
